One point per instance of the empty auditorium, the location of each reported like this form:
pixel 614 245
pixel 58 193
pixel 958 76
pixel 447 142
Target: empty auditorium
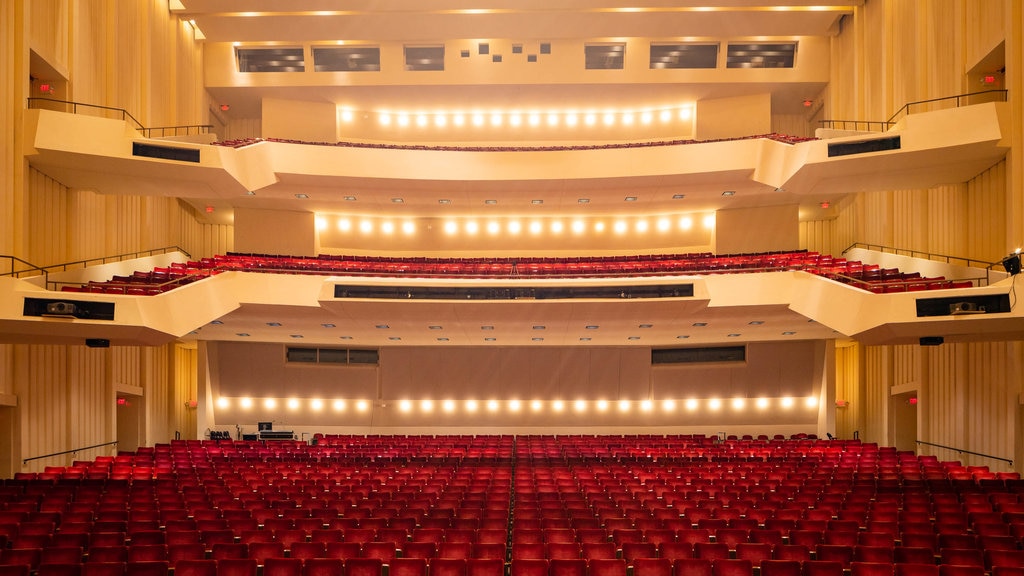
pixel 511 288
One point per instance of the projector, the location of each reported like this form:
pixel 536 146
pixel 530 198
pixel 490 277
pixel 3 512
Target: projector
pixel 961 308
pixel 63 308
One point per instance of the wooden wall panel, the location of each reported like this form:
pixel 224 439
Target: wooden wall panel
pixel 185 370
pixel 850 418
pixel 49 30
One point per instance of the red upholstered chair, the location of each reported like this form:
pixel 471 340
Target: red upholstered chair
pixel 606 567
pixel 755 552
pixel 563 551
pixel 323 567
pixel 598 550
pixel 282 567
pixel 419 550
pixel 447 567
pixel 528 566
pixel 912 569
pixel 871 569
pixel 960 570
pixel 780 568
pixel 364 567
pixel 711 550
pixel 113 569
pixel 485 567
pixel 822 568
pixel 154 568
pixel 342 550
pixel 731 567
pixel 60 569
pixel 913 555
pixel 634 550
pixel 675 550
pixel 567 567
pixel 962 557
pixel 306 550
pixel 407 567
pixel 692 567
pixel 203 567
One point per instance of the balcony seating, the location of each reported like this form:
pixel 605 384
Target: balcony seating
pixel 868 277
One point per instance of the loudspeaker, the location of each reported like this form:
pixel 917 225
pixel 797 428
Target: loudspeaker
pixel 932 340
pixel 97 343
pixel 61 308
pixel 1012 264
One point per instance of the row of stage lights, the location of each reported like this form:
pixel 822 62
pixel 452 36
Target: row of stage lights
pixel 472 227
pixel 532 119
pixel 516 406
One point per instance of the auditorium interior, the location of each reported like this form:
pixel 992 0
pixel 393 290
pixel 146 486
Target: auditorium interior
pixel 570 288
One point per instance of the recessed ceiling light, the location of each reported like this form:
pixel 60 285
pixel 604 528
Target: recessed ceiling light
pixel 394 337
pixel 490 201
pixel 382 326
pixel 788 333
pixel 442 339
pixel 592 327
pixel 444 201
pixel 345 337
pixel 647 325
pixel 729 193
pixel 700 324
pixel 583 201
pixel 302 196
pixel 678 196
pixel 398 200
pixel 250 193
pixel 539 327
pixel 216 322
pixel 633 338
pixel 584 339
pixel 349 198
pixel 328 325
pixel 733 335
pixel 630 199
pixel 435 327
pixel 756 322
pixel 536 201
pixel 296 335
pixel 489 339
pixel 275 324
pixel 242 334
pixel 487 327
pixel 537 339
pixel 682 336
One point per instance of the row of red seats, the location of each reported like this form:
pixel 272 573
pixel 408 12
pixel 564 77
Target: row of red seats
pixel 868 277
pixel 783 138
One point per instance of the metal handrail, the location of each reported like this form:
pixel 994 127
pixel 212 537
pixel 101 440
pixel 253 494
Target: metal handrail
pixel 72 451
pixel 906 107
pixel 857 124
pixel 962 451
pixel 29 267
pixel 35 102
pixel 968 262
pixel 54 285
pixel 183 130
pixel 1001 96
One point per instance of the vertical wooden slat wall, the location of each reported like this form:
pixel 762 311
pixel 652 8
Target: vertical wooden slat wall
pixel 901 52
pixel 136 56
